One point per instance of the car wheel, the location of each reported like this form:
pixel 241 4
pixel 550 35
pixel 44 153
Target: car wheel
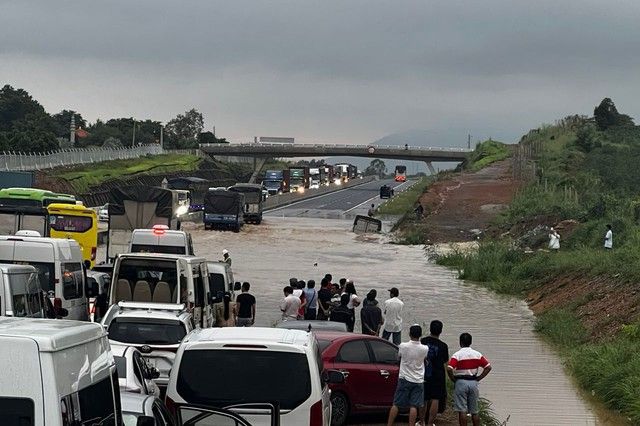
pixel 339 409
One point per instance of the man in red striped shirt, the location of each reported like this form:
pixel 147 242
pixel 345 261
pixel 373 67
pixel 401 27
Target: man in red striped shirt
pixel 466 368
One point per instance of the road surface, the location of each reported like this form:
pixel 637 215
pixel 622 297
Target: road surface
pixel 342 204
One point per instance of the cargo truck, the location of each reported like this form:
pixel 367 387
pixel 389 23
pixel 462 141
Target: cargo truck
pixel 298 178
pixel 315 177
pixel 252 201
pixel 223 209
pixel 274 181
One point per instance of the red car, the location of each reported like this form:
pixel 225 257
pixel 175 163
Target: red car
pixel 370 365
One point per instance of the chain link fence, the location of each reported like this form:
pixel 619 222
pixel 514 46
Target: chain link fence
pixel 19 161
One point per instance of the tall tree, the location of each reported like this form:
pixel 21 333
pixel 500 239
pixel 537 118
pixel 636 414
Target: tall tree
pixel 63 122
pixel 15 105
pixel 183 130
pixel 606 115
pixel 376 168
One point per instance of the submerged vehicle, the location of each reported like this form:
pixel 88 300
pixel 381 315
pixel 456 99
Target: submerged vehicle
pixel 252 200
pixel 223 209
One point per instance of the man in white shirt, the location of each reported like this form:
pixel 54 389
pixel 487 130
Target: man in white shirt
pixel 608 238
pixel 393 316
pixel 554 240
pixel 290 304
pixel 410 390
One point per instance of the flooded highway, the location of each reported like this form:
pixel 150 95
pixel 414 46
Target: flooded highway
pixel 527 385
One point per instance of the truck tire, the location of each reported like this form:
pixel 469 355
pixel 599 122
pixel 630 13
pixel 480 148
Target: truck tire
pixel 258 221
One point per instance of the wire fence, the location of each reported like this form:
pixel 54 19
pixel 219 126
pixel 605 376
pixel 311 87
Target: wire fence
pixel 20 161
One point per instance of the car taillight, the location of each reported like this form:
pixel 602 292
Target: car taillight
pixel 315 417
pixel 171 405
pixel 93 253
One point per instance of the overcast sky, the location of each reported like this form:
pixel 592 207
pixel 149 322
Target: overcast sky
pixel 331 71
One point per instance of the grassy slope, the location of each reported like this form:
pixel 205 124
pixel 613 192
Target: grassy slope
pixel 486 153
pixel 85 176
pixel 601 366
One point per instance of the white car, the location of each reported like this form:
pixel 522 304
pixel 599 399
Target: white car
pixel 134 374
pixel 225 367
pixel 103 213
pixel 155 329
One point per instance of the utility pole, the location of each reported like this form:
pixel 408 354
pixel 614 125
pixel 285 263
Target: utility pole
pixel 72 129
pixel 469 141
pixel 133 140
pixel 161 137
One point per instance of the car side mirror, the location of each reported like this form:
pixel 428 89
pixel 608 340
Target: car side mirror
pixel 237 286
pixel 333 376
pixel 91 289
pixel 153 373
pixel 146 421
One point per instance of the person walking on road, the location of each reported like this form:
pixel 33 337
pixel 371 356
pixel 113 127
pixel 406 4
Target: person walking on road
pixel 289 305
pixel 393 317
pixel 245 307
pixel 311 295
pixel 435 386
pixel 554 240
pixel 371 315
pixel 225 257
pixel 410 389
pixel 324 299
pixel 608 238
pixel 463 369
pixel 342 313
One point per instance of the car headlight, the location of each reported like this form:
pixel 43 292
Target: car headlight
pixel 182 210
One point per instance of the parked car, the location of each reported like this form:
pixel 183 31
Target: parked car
pixel 136 406
pixel 134 374
pixel 224 366
pixel 312 325
pixel 370 365
pixel 155 329
pixel 103 213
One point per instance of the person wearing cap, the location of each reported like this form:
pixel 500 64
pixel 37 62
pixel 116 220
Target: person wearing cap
pixel 410 389
pixel 393 317
pixel 371 315
pixel 225 256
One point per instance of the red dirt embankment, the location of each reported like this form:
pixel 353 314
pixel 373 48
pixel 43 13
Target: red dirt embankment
pixel 461 207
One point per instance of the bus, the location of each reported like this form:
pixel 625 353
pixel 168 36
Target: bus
pixel 25 209
pixel 76 222
pixel 401 173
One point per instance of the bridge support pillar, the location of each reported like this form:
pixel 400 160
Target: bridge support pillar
pixel 430 167
pixel 257 166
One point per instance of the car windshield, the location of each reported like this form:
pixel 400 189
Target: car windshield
pixel 244 376
pixel 147 332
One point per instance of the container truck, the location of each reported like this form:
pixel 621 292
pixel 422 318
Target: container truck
pixel 298 178
pixel 274 181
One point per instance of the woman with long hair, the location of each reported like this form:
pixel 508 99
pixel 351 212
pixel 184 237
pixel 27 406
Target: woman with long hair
pixel 354 300
pixel 225 316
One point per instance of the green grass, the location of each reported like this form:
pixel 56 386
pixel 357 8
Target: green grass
pixel 486 153
pixel 404 202
pixel 83 177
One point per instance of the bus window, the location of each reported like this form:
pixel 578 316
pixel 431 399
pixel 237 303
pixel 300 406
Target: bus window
pixel 70 223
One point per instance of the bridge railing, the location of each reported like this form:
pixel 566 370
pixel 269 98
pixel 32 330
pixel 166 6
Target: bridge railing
pixel 285 146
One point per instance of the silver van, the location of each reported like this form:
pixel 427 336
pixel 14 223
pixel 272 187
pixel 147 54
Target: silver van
pixel 21 294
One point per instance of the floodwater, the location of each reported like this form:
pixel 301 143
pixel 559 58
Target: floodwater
pixel 527 385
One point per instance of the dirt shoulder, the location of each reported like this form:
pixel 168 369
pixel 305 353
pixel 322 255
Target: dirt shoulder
pixel 460 208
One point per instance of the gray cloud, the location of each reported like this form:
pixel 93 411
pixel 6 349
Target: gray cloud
pixel 327 70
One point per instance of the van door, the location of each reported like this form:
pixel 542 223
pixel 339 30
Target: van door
pixel 199 296
pixel 70 289
pixel 208 297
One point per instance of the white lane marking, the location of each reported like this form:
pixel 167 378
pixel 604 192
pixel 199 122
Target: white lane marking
pixel 377 196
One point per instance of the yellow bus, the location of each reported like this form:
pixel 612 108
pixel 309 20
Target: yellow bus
pixel 76 222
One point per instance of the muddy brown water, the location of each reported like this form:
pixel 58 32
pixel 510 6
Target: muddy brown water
pixel 527 385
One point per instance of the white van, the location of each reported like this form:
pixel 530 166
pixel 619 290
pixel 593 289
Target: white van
pixel 57 373
pixel 221 367
pixel 161 239
pixel 60 269
pixel 164 278
pixel 221 278
pixel 20 294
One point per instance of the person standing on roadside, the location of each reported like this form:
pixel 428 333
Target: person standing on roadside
pixel 225 257
pixel 225 312
pixel 393 317
pixel 289 305
pixel 372 211
pixel 554 240
pixel 608 238
pixel 324 299
pixel 300 294
pixel 354 300
pixel 342 313
pixel 245 307
pixel 435 386
pixel 371 315
pixel 410 389
pixel 463 369
pixel 311 294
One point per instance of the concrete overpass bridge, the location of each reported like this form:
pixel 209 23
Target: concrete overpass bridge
pixel 263 151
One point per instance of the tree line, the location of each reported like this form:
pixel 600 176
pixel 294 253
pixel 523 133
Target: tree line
pixel 27 127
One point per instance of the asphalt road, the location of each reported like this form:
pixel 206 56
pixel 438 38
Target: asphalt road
pixel 340 204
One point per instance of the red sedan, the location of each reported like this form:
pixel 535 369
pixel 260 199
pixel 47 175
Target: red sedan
pixel 370 365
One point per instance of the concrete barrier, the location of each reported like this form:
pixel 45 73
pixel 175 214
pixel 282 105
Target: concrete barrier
pixel 282 200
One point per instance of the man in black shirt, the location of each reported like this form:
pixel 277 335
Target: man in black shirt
pixel 435 389
pixel 342 313
pixel 371 315
pixel 245 307
pixel 324 299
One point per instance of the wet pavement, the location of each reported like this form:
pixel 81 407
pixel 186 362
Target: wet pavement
pixel 527 386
